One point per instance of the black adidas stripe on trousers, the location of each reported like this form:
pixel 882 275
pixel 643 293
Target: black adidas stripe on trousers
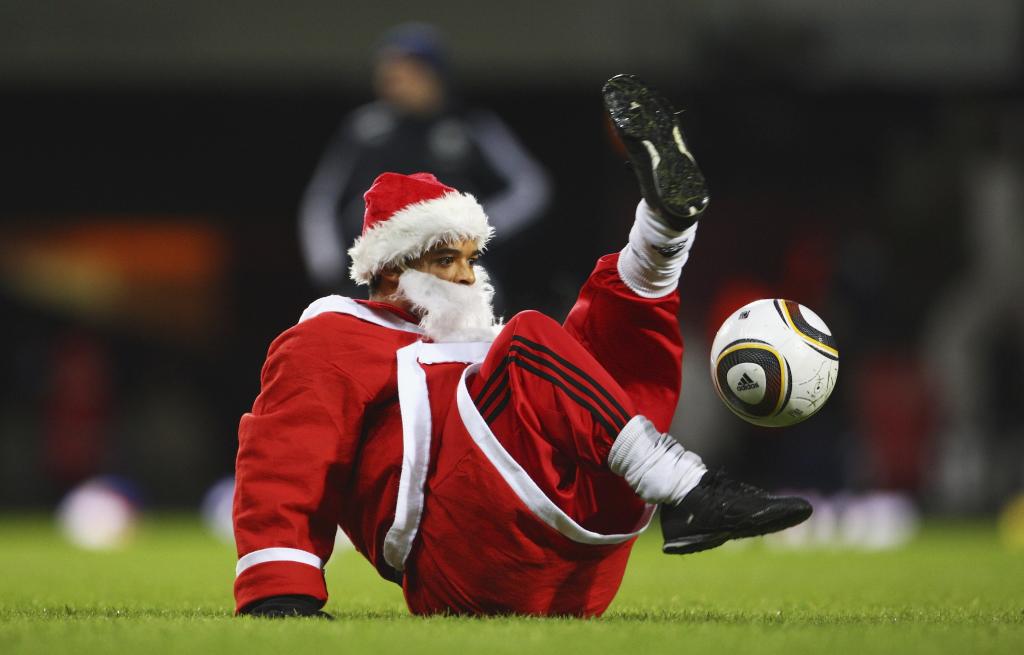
pixel 622 414
pixel 492 401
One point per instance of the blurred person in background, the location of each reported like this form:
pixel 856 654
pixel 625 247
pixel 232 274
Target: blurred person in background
pixel 416 124
pixel 973 344
pixel 487 468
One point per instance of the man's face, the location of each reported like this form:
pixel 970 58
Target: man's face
pixel 453 262
pixel 452 298
pixel 409 84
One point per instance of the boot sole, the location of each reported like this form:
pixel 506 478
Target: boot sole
pixel 645 120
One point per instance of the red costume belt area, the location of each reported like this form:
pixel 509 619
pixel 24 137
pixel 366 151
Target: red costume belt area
pixel 483 487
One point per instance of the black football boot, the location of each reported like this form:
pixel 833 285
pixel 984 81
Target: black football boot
pixel 719 509
pixel 648 125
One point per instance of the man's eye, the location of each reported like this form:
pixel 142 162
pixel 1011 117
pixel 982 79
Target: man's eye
pixel 446 261
pixel 473 261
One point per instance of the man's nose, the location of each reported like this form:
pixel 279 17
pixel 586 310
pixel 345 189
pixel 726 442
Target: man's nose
pixel 466 274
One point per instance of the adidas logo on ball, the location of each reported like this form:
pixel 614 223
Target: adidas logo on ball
pixel 746 383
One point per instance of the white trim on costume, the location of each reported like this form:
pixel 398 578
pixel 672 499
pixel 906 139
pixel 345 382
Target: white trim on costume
pixel 521 482
pixel 467 352
pixel 277 555
pixel 344 305
pixel 414 404
pixel 415 229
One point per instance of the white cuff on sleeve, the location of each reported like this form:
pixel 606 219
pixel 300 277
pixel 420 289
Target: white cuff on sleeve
pixel 277 555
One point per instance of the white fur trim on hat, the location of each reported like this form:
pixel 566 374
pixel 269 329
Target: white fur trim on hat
pixel 415 229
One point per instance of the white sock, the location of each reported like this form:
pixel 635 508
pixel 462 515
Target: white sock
pixel 654 464
pixel 652 261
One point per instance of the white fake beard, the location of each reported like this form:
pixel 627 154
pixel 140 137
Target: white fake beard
pixel 448 311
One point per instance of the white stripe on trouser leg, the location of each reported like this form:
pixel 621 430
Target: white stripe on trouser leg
pixel 652 261
pixel 654 464
pixel 277 555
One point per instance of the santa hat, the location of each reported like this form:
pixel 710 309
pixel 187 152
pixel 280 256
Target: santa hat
pixel 407 215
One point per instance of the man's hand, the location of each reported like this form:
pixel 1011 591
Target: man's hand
pixel 279 607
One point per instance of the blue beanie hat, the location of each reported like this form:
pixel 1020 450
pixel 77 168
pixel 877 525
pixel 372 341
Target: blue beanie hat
pixel 420 40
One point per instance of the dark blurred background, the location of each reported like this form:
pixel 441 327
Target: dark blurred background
pixel 865 159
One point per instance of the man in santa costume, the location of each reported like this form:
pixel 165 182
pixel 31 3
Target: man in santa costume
pixel 486 468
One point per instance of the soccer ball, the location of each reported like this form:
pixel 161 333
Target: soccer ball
pixel 774 362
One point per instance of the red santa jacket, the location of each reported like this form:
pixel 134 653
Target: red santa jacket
pixel 329 398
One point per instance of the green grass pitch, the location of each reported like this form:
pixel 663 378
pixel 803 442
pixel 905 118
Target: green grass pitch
pixel 953 590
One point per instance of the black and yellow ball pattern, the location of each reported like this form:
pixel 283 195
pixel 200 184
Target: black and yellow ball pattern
pixel 778 378
pixel 790 314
